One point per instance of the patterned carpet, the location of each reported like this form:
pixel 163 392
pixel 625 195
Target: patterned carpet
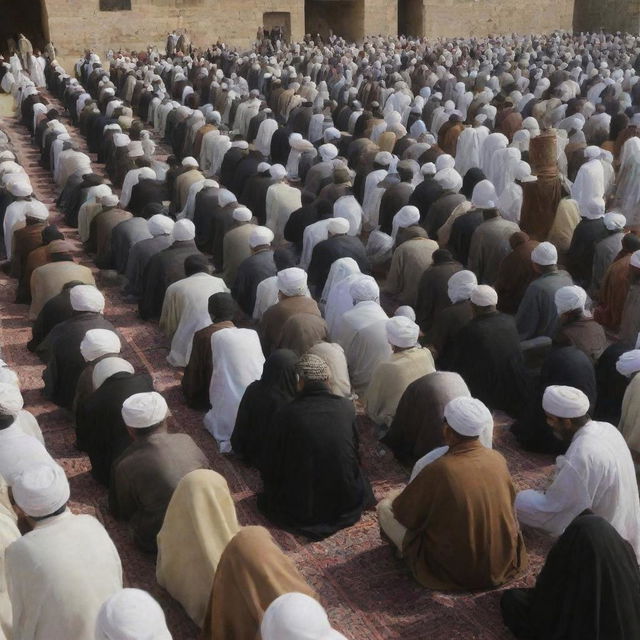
pixel 368 593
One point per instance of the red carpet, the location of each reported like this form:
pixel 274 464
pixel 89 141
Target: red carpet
pixel 368 593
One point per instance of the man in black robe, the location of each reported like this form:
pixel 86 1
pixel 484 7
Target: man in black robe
pixel 579 258
pixel 206 203
pixel 396 196
pixel 311 472
pixel 427 192
pixel 231 160
pixel 246 168
pixel 123 237
pixel 254 193
pixel 147 191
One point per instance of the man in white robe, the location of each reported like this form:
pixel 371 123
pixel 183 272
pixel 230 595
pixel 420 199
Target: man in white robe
pixel 596 473
pixel 17 213
pixel 589 182
pixel 60 573
pixel 628 365
pixel 372 194
pixel 282 200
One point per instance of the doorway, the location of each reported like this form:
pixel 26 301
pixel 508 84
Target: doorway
pixel 274 19
pixel 29 18
pixel 410 18
pixel 343 18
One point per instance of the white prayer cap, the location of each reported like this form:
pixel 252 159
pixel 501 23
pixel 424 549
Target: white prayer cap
pixel 108 367
pixel 293 616
pixel 331 134
pixel 9 155
pixel 338 226
pixel 428 169
pixel 406 311
pixel 628 363
pixel 143 410
pixel 37 213
pixel 99 342
pixel 86 297
pixel 11 401
pixel 160 225
pixel 531 124
pixel 20 188
pixel 592 208
pixel 328 151
pixel 208 184
pixel 406 216
pixel 121 139
pixel 449 179
pixel 523 172
pixel 468 416
pixel 614 221
pixel 135 149
pixel 277 171
pixel 484 296
pixel 635 259
pixel 131 614
pixel 445 161
pixel 293 281
pixel 484 195
pixel 189 161
pixel 565 402
pixel 242 214
pixel 544 254
pixel 260 236
pixel 110 200
pixel 240 144
pixel 402 332
pixel 461 285
pixel 147 173
pixel 383 158
pixel 184 230
pixel 263 166
pixel 40 490
pixel 592 152
pixel 570 298
pixel 365 288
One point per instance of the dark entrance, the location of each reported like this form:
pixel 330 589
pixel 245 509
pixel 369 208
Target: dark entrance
pixel 28 18
pixel 344 18
pixel 410 18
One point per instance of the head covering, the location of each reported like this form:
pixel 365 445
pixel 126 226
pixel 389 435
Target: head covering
pixel 635 259
pixel 99 342
pixel 444 161
pixel 449 179
pixel 293 281
pixel 570 298
pixel 108 367
pixel 40 490
pixel 484 195
pixel 160 225
pixel 484 296
pixel 406 217
pixel 294 616
pixel 365 288
pixel 428 169
pixel 468 416
pixel 143 410
pixel 242 214
pixel 109 200
pixel 461 285
pixel 593 208
pixel 565 402
pixel 263 166
pixel 260 236
pixel 544 254
pixel 614 221
pixel 277 171
pixel 86 297
pixel 20 188
pixel 11 401
pixel 383 158
pixel 312 368
pixel 592 152
pixel 402 332
pixel 328 151
pixel 184 230
pixel 37 213
pixel 338 226
pixel 628 363
pixel 189 162
pixel 131 614
pixel 406 311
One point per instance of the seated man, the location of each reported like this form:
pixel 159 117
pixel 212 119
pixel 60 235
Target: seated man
pixel 454 532
pixel 60 573
pixel 596 473
pixel 391 377
pixel 146 473
pixel 311 472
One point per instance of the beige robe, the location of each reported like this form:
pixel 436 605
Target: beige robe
pixel 409 262
pixel 630 416
pixel 235 249
pixel 183 184
pixel 282 200
pixel 333 354
pixel 88 211
pixel 565 222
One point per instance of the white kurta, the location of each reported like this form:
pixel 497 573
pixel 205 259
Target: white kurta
pixel 19 451
pixel 312 235
pixel 589 182
pixel 237 362
pixel 58 576
pixel 596 473
pixel 266 296
pixel 282 200
pixel 8 533
pixel 349 208
pixel 373 197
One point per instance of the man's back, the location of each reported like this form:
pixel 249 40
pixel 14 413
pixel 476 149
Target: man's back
pixel 59 575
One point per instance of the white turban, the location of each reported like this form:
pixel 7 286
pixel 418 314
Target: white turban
pixel 461 285
pixel 143 410
pixel 544 254
pixel 338 226
pixel 108 367
pixel 160 225
pixel 383 158
pixel 260 236
pixel 109 200
pixel 565 402
pixel 570 298
pixel 365 288
pixel 328 151
pixel 131 614
pixel 406 311
pixel 41 490
pixel 37 213
pixel 468 416
pixel 20 188
pixel 402 332
pixel 212 184
pixel 628 363
pixel 592 208
pixel 449 179
pixel 189 162
pixel 406 217
pixel 428 169
pixel 293 281
pixel 11 401
pixel 592 152
pixel 99 342
pixel 263 166
pixel 635 259
pixel 614 221
pixel 242 214
pixel 293 616
pixel 184 230
pixel 85 297
pixel 135 149
pixel 445 161
pixel 484 195
pixel 147 173
pixel 484 296
pixel 277 171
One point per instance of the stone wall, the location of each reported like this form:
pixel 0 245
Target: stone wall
pixel 609 15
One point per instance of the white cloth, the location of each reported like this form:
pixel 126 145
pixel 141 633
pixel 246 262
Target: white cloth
pixel 373 196
pixel 58 576
pixel 265 132
pixel 313 234
pixel 628 182
pixel 565 402
pixel 349 208
pixel 99 342
pixel 14 218
pixel 596 473
pixel 468 416
pixel 467 150
pixel 142 410
pixel 9 532
pixel 589 182
pixel 237 362
pixel 266 296
pixel 19 451
pixel 282 200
